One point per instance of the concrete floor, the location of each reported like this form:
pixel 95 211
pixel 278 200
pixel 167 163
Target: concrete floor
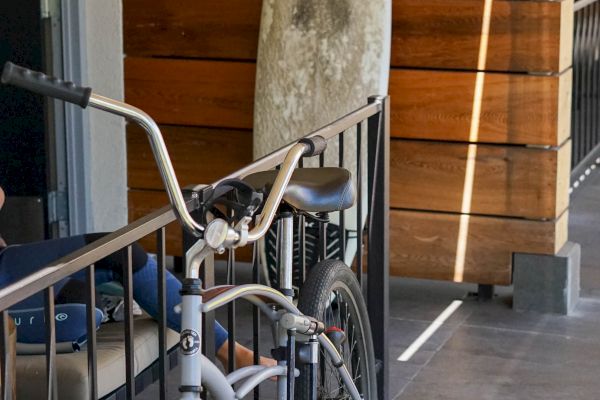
pixel 486 350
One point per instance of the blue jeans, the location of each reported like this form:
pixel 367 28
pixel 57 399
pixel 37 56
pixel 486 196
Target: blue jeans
pixel 18 261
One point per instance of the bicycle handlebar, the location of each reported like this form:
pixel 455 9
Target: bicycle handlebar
pixel 43 84
pixel 40 83
pixel 316 145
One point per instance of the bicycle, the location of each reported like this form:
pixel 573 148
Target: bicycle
pixel 326 332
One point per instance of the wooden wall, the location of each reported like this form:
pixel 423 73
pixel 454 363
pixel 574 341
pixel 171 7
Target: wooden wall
pixel 493 130
pixel 191 65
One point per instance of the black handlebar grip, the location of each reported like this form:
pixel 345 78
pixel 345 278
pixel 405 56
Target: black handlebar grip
pixel 316 145
pixel 40 83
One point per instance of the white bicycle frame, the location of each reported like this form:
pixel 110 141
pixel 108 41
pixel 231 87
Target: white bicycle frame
pixel 196 369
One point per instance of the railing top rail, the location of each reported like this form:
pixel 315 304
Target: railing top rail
pixel 87 255
pixel 112 242
pixel 580 4
pixel 327 132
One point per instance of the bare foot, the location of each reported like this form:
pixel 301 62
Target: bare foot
pixel 244 357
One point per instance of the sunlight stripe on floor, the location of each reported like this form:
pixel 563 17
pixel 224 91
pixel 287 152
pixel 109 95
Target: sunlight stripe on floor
pixel 431 329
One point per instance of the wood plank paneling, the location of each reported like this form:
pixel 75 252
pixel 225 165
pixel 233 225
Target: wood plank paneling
pixel 199 155
pixel 512 181
pixel 524 35
pixel 192 92
pixel 518 109
pixel 424 244
pixel 188 28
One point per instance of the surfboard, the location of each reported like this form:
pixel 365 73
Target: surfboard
pixel 317 61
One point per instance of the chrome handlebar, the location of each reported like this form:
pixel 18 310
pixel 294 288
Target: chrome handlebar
pixel 161 155
pixel 230 236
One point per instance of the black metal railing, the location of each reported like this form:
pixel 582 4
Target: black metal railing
pixel 585 121
pixel 370 124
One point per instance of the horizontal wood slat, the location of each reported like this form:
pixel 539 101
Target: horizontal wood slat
pixel 143 202
pixel 199 155
pixel 523 36
pixel 189 28
pixel 512 181
pixel 186 92
pixel 424 244
pixel 518 109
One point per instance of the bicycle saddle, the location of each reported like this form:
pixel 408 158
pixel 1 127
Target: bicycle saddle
pixel 312 189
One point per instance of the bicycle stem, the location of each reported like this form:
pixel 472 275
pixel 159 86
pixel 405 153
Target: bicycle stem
pixel 277 191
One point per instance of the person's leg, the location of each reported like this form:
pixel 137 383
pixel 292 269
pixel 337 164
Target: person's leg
pixel 145 292
pixel 145 285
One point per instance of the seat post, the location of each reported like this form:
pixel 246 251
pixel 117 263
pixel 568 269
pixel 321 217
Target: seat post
pixel 323 235
pixel 286 257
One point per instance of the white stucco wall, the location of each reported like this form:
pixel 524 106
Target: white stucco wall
pixel 108 160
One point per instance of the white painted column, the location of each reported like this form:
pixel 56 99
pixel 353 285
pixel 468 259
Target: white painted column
pixel 107 159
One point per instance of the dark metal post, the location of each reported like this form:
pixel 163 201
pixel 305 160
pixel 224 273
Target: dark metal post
pixel 162 312
pixel 91 332
pixel 359 205
pixel 342 227
pixel 51 391
pixel 5 354
pixel 256 314
pixel 378 254
pixel 231 313
pixel 129 344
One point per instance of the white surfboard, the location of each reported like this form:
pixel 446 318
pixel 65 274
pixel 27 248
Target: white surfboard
pixel 317 61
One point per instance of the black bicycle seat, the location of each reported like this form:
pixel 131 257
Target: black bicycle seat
pixel 312 189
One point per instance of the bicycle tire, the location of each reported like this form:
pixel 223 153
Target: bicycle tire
pixel 331 285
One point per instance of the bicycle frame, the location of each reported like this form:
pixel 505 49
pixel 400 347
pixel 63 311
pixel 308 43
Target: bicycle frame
pixel 192 361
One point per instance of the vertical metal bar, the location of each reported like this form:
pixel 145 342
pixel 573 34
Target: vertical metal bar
pixel 256 314
pixel 91 331
pixel 231 312
pixel 359 204
pixel 592 83
pixel 595 78
pixel 588 88
pixel 291 363
pixel 578 99
pixel 162 312
pixel 322 238
pixel 581 84
pixel 208 323
pixel 575 97
pixel 50 322
pixel 378 254
pixel 586 72
pixel 342 227
pixel 302 249
pixel 322 160
pixel 278 251
pixel 231 307
pixel 129 345
pixel 7 388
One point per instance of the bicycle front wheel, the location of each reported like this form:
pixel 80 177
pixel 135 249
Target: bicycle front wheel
pixel 332 294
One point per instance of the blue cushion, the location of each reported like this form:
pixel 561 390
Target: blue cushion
pixel 70 322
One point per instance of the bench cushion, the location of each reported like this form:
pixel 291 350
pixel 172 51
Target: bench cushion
pixel 72 372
